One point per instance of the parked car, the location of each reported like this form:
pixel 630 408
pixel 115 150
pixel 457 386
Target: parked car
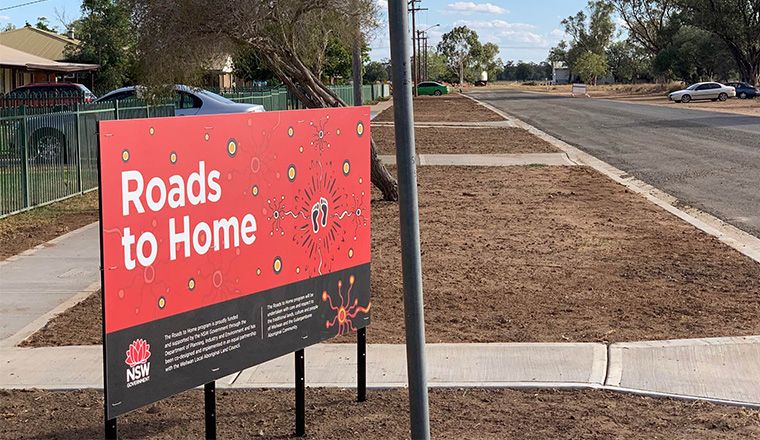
pixel 704 90
pixel 187 101
pixel 48 94
pixel 744 90
pixel 432 88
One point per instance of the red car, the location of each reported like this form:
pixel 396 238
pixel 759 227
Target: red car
pixel 48 94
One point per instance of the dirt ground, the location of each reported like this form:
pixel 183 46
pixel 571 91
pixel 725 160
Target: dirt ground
pixel 442 140
pixel 28 229
pixel 79 325
pixel 333 414
pixel 546 254
pixel 446 108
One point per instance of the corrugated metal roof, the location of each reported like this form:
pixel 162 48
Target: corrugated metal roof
pixel 15 58
pixel 37 42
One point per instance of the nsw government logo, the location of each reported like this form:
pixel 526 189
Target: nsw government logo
pixel 137 360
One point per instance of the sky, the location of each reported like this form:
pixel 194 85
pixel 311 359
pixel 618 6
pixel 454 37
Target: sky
pixel 523 29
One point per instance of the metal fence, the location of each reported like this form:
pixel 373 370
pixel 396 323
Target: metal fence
pixel 48 146
pixel 279 98
pixel 48 153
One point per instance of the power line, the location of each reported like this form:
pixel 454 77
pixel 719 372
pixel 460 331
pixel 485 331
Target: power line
pixel 22 4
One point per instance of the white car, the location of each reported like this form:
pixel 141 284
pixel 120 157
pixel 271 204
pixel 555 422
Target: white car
pixel 188 101
pixel 704 90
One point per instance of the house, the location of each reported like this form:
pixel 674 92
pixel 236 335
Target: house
pixel 37 42
pixel 560 73
pixel 19 68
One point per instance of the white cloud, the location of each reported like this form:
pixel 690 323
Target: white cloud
pixel 486 8
pixel 4 18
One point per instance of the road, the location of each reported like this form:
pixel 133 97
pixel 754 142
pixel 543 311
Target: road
pixel 708 160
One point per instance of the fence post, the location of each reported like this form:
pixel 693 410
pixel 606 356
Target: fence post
pixel 116 109
pixel 25 160
pixel 79 151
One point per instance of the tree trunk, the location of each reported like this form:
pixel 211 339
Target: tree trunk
pixel 461 74
pixel 314 94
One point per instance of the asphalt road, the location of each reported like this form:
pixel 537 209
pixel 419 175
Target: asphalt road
pixel 708 160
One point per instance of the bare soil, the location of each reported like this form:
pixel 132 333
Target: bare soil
pixel 545 254
pixel 333 414
pixel 79 325
pixel 446 140
pixel 749 107
pixel 445 108
pixel 26 230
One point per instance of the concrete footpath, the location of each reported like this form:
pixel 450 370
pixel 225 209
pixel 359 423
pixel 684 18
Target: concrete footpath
pixel 37 281
pixel 721 370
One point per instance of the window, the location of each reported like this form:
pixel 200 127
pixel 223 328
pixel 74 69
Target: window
pixel 185 100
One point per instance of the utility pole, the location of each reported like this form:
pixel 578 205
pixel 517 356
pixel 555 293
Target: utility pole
pixel 413 9
pixel 414 316
pixel 356 60
pixel 419 53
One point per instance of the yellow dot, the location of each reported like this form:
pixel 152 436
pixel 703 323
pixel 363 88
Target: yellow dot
pixel 298 270
pixel 277 265
pixel 191 284
pixel 346 168
pixel 360 129
pixel 231 147
pixel 152 131
pixel 161 302
pixel 173 157
pixel 351 279
pixel 361 180
pixel 255 190
pixel 206 136
pixel 351 253
pixel 300 149
pixel 292 173
pixel 258 271
pixel 291 132
pixel 337 132
pixel 125 155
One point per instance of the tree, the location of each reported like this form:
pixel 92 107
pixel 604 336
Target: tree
pixel 737 23
pixel 590 34
pixel 107 38
pixel 249 67
pixel 485 59
pixel 627 61
pixel 176 37
pixel 695 55
pixel 44 24
pixel 376 71
pixel 458 46
pixel 648 22
pixel 591 66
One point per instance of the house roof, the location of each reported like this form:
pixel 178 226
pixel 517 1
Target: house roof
pixel 10 57
pixel 37 42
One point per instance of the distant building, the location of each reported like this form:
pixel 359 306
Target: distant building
pixel 19 68
pixel 37 42
pixel 560 73
pixel 29 55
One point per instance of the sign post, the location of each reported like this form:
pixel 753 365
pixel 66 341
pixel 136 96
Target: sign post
pixel 227 241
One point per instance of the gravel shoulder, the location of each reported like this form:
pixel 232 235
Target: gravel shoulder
pixel 334 414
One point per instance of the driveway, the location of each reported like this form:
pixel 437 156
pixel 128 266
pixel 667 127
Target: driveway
pixel 708 160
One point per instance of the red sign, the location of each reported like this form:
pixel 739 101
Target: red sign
pixel 203 211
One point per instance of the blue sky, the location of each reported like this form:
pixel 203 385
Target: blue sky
pixel 523 29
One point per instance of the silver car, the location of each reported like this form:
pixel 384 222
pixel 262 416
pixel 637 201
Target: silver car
pixel 704 90
pixel 188 101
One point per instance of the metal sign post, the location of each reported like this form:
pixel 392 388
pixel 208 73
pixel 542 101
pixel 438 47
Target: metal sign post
pixel 300 395
pixel 410 226
pixel 209 400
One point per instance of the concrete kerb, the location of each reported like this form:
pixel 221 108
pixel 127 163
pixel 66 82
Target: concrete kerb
pixel 47 244
pixel 743 242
